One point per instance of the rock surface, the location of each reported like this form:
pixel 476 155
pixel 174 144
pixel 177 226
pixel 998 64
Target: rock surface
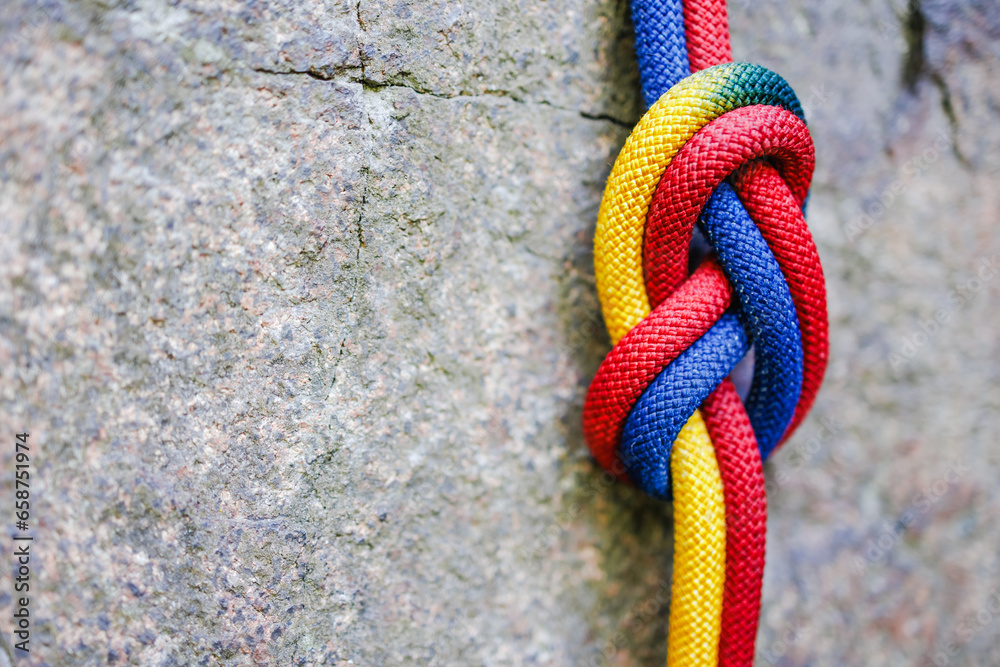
pixel 297 305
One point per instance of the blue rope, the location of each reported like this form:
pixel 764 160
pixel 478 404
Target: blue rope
pixel 767 313
pixel 673 396
pixel 660 46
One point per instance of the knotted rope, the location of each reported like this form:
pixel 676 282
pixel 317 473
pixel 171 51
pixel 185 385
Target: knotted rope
pixel 725 148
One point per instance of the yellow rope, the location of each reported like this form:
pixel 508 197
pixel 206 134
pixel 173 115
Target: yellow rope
pixel 699 550
pixel 700 522
pixel 699 512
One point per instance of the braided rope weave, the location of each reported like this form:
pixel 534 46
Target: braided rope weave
pixel 725 148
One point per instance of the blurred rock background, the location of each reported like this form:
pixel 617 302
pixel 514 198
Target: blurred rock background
pixel 297 305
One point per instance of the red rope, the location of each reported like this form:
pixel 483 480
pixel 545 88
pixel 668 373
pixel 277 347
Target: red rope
pixel 706 31
pixel 746 522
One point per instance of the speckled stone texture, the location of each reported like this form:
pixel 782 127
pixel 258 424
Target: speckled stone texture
pixel 297 304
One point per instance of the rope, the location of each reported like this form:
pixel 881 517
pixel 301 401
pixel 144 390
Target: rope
pixel 700 549
pixel 725 148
